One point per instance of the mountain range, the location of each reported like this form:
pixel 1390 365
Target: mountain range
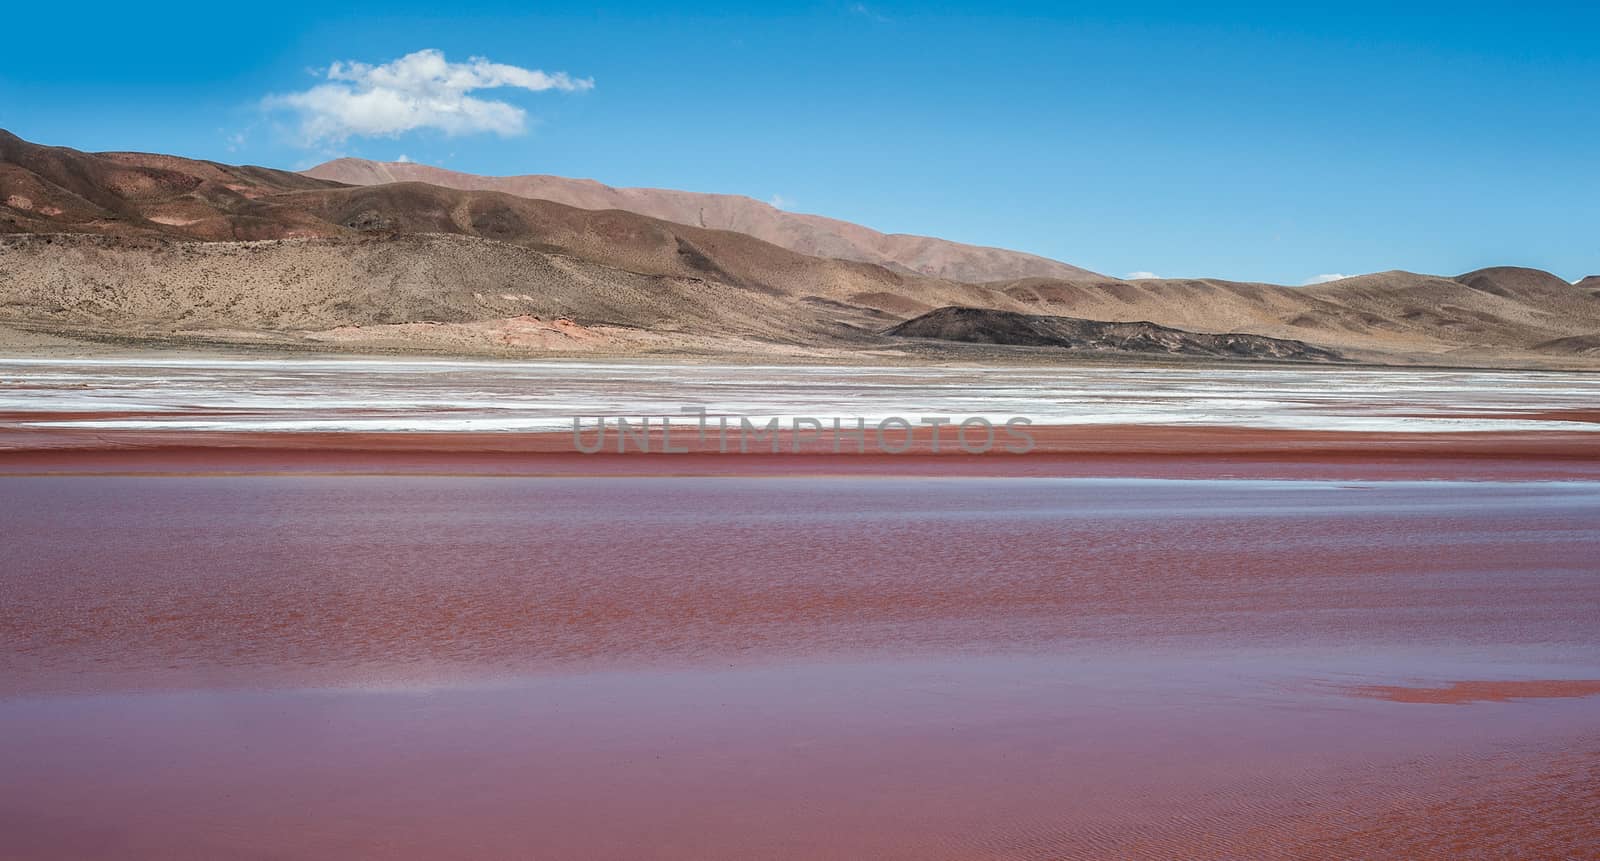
pixel 808 234
pixel 370 256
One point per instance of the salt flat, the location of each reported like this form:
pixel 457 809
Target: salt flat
pixel 215 394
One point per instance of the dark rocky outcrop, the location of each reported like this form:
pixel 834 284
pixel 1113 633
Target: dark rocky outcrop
pixel 1007 328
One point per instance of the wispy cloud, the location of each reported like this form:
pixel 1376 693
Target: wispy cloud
pixel 421 90
pixel 1139 276
pixel 778 201
pixel 404 159
pixel 869 13
pixel 1323 279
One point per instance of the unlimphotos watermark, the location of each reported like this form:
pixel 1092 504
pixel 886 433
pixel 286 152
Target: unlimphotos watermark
pixel 737 433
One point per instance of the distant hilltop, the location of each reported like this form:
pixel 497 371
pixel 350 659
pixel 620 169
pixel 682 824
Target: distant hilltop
pixel 807 234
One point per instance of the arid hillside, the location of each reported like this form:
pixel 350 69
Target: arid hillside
pixel 55 189
pixel 807 234
pixel 1470 319
pixel 429 292
pixel 141 246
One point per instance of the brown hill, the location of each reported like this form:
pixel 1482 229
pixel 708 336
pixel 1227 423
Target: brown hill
pixel 55 189
pixel 1532 286
pixel 430 292
pixel 1383 314
pixel 623 240
pixel 49 189
pixel 808 234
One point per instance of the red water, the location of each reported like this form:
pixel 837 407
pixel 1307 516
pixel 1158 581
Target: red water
pixel 704 668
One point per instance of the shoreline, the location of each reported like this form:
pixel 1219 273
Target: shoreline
pixel 21 341
pixel 1086 451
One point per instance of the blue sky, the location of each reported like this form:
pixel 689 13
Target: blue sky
pixel 1272 142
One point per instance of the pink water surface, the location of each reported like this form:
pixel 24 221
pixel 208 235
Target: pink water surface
pixel 706 668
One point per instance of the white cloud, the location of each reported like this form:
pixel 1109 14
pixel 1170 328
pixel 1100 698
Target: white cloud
pixel 1138 276
pixel 420 90
pixel 404 159
pixel 778 201
pixel 1323 279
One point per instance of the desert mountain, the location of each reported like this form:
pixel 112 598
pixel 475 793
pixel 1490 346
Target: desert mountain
pixel 808 234
pixel 54 189
pixel 1386 313
pixel 133 245
pixel 431 292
